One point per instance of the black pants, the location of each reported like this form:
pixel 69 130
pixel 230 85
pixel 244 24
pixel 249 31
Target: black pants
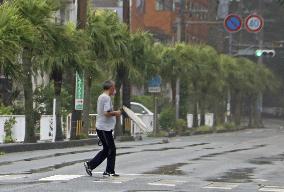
pixel 109 152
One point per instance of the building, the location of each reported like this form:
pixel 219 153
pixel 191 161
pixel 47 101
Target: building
pixel 160 17
pixel 114 5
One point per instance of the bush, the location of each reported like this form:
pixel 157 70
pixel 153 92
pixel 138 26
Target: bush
pixel 161 133
pixel 230 126
pixel 8 125
pixel 167 118
pixel 180 126
pixel 81 136
pixel 6 110
pixel 203 130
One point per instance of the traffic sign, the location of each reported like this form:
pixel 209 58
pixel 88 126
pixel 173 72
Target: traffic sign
pixel 154 85
pixel 233 23
pixel 254 23
pixel 79 92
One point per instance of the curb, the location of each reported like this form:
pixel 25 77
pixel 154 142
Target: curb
pixel 125 138
pixel 21 147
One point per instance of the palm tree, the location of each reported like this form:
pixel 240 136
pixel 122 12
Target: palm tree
pixel 101 43
pixel 170 69
pixel 14 29
pixel 65 52
pixel 38 14
pixel 120 61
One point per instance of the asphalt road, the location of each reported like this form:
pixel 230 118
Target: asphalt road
pixel 249 160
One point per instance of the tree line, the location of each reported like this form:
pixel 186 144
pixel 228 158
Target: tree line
pixel 32 42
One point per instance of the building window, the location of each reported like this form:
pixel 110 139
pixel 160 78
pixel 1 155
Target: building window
pixel 164 5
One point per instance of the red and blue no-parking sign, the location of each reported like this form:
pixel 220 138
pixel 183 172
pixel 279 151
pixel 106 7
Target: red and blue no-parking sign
pixel 233 23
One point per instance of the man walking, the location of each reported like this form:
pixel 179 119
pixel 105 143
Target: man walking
pixel 105 124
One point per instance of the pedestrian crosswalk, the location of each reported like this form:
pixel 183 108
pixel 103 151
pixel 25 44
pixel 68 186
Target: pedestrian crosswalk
pixel 146 180
pixel 272 189
pixel 60 177
pixel 11 177
pixel 222 185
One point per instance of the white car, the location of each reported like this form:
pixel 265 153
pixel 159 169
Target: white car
pixel 145 114
pixel 140 109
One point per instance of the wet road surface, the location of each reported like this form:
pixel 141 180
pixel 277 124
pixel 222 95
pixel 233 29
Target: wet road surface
pixel 249 160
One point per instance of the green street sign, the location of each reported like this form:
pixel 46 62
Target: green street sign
pixel 79 92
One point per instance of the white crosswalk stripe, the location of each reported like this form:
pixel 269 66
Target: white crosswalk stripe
pixel 167 182
pixel 272 189
pixel 11 177
pixel 60 177
pixel 221 185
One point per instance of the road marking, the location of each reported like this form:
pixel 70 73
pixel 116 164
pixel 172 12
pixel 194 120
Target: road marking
pixel 167 182
pixel 102 181
pixel 126 174
pixel 11 177
pixel 261 180
pixel 272 189
pixel 221 185
pixel 116 180
pixel 162 184
pixel 60 177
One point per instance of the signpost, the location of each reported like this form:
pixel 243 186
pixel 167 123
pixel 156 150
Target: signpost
pixel 79 92
pixel 233 23
pixel 154 86
pixel 254 23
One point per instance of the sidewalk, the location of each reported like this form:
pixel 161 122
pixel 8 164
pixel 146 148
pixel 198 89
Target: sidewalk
pixel 20 147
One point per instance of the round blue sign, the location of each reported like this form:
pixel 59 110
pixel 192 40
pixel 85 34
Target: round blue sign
pixel 233 23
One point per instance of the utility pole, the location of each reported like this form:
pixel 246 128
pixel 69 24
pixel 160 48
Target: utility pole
pixel 180 38
pixel 126 86
pixel 259 100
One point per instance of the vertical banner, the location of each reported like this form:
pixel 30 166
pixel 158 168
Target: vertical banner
pixel 79 92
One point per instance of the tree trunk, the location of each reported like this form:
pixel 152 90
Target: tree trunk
pixel 254 111
pixel 258 118
pixel 195 114
pixel 28 93
pixel 57 77
pixel 118 127
pixel 195 107
pixel 250 124
pixel 173 86
pixel 86 108
pixel 202 113
pixel 219 111
pixel 238 106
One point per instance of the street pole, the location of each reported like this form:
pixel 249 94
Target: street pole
pixel 126 86
pixel 156 131
pixel 178 79
pixel 228 114
pixel 54 121
pixel 259 101
pixel 180 30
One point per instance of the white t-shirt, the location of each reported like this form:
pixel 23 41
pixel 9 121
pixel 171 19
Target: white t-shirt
pixel 103 122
